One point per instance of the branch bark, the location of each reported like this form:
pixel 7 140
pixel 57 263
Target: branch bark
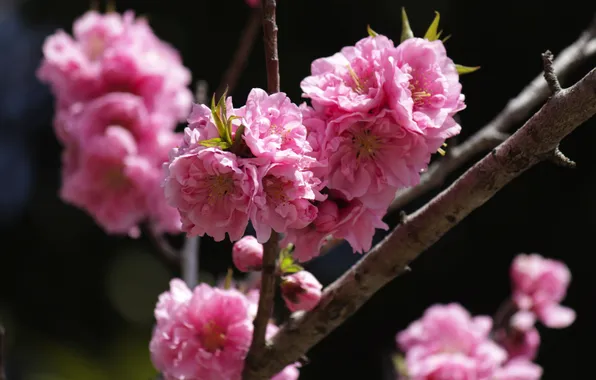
pixel 256 357
pixel 534 142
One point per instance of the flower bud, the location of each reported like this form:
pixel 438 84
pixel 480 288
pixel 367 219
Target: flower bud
pixel 247 254
pixel 301 291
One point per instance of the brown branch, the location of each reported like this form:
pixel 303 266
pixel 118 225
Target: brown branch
pixel 2 353
pixel 495 132
pixel 248 37
pixel 532 143
pixel 256 357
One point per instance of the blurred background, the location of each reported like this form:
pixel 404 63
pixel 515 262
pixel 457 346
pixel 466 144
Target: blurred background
pixel 77 304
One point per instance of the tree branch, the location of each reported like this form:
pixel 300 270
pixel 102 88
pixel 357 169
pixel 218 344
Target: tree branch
pixel 517 109
pixel 256 357
pixel 534 142
pixel 247 40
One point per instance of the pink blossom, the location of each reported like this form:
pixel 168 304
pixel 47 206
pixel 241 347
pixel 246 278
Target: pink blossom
pixel 253 3
pixel 339 218
pixel 116 53
pixel 208 337
pixel 283 199
pixel 370 157
pixel 170 302
pixel 253 299
pixel 539 284
pixel 447 340
pixel 301 291
pixel 274 127
pixel 434 85
pixel 211 192
pixel 349 81
pixel 518 369
pixel 247 254
pixel 108 183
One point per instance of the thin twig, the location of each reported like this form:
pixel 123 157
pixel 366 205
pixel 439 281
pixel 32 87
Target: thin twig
pixel 532 143
pixel 549 72
pixel 2 353
pixel 201 92
pixel 165 249
pixel 256 356
pixel 190 261
pixel 248 37
pixel 495 132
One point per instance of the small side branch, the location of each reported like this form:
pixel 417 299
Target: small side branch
pixel 549 72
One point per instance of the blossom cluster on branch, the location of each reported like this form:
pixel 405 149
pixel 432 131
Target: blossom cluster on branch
pixel 120 93
pixel 378 112
pixel 448 343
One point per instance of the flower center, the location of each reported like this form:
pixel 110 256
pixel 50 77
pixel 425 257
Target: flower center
pixel 418 86
pixel 95 47
pixel 275 189
pixel 366 144
pixel 219 186
pixel 358 85
pixel 114 178
pixel 213 337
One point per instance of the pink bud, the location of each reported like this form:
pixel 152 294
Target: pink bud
pixel 253 3
pixel 301 291
pixel 327 217
pixel 247 254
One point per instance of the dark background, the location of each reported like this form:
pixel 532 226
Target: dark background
pixel 78 303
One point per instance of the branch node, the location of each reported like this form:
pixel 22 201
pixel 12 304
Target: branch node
pixel 549 72
pixel 403 217
pixel 558 158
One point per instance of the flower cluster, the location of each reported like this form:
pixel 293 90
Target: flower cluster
pixel 447 342
pixel 205 334
pixel 120 93
pixel 379 111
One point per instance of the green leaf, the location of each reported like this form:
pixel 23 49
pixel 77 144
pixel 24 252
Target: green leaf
pixel 466 69
pixel 406 31
pixel 371 32
pixel 216 142
pixel 399 363
pixel 294 268
pixel 446 38
pixel 431 33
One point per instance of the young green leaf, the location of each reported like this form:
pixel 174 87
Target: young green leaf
pixel 406 31
pixel 371 32
pixel 431 33
pixel 294 268
pixel 461 70
pixel 216 142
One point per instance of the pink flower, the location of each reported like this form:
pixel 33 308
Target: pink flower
pixel 283 199
pixel 518 369
pixel 207 338
pixel 521 339
pixel 108 182
pixel 274 128
pixel 349 81
pixel 211 192
pixel 339 218
pixel 539 284
pixel 116 53
pixel 301 291
pixel 247 254
pixel 434 85
pixel 370 157
pixel 253 3
pixel 171 302
pixel 447 340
